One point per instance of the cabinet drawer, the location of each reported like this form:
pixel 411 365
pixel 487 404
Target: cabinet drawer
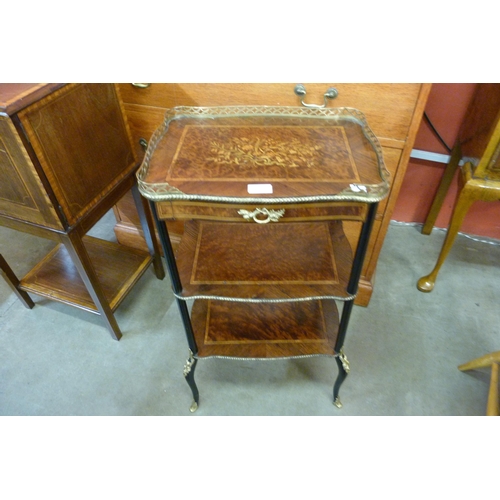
pixel 143 120
pixel 388 107
pixel 181 210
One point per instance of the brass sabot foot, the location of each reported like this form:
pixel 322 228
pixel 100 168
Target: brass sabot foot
pixel 337 403
pixel 193 407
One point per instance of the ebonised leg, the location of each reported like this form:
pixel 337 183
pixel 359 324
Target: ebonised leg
pixel 340 358
pixel 186 320
pixel 343 366
pixel 189 375
pixel 352 288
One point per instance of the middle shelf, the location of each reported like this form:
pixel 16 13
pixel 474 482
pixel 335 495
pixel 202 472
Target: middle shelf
pixel 264 262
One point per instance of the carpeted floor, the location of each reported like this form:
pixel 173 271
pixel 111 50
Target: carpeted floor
pixel 403 349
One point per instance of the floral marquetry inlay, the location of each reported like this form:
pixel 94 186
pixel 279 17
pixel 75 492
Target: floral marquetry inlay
pixel 265 152
pixel 280 152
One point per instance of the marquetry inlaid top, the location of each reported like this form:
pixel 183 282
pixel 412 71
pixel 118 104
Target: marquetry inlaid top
pixel 263 153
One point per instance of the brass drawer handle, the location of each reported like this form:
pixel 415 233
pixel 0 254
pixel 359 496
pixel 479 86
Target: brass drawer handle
pixel 271 215
pixel 141 85
pixel 331 93
pixel 143 143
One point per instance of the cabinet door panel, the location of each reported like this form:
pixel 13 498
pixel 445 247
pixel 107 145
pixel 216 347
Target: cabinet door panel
pixel 21 192
pixel 82 142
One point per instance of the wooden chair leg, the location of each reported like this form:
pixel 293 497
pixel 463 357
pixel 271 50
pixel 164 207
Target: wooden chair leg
pixel 492 359
pixel 492 409
pixel 80 257
pixel 147 225
pixel 13 282
pixel 464 200
pixel 482 362
pixel 443 188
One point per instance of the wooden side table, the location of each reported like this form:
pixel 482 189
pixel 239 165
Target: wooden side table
pixel 265 193
pixel 66 158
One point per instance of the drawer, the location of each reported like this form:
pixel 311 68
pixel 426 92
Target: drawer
pixel 181 210
pixel 143 120
pixel 388 107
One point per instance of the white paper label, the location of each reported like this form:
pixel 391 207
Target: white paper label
pixel 260 188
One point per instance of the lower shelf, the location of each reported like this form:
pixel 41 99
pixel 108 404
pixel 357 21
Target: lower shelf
pixel 265 330
pixel 117 267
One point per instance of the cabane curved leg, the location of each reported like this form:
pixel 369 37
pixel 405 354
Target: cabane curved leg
pixel 464 200
pixel 444 186
pixel 343 365
pixel 189 375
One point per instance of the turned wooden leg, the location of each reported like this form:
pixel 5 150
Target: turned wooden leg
pixel 80 257
pixel 492 409
pixel 464 200
pixel 13 282
pixel 444 185
pixel 492 359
